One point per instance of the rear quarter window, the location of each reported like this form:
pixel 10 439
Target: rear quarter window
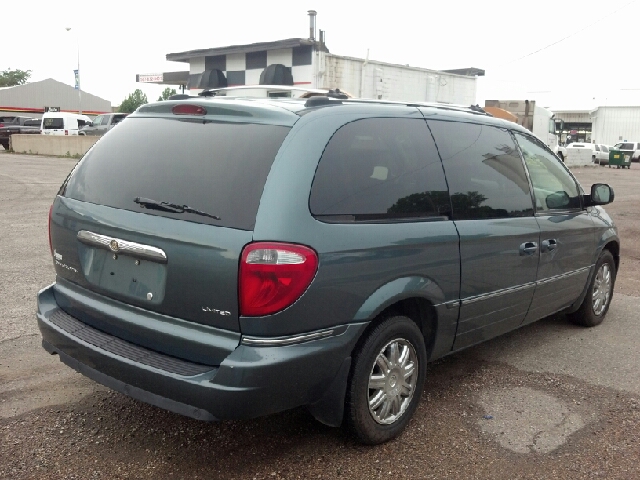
pixel 218 168
pixel 380 169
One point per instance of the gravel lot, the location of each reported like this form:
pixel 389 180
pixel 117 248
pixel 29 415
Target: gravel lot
pixel 550 400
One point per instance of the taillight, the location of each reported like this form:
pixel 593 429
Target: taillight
pixel 186 109
pixel 273 276
pixel 50 245
pixel 66 132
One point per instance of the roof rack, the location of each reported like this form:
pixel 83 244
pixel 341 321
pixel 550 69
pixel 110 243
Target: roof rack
pixel 337 97
pixel 325 100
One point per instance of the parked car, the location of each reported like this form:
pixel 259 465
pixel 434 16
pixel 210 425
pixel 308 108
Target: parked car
pixel 581 145
pixel 63 123
pixel 262 255
pixel 13 125
pixel 102 124
pixel 601 154
pixel 629 148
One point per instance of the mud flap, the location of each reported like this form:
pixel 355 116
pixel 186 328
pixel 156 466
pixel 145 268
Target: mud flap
pixel 329 410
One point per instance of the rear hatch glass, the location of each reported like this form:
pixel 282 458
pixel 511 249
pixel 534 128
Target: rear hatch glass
pixel 53 123
pixel 216 168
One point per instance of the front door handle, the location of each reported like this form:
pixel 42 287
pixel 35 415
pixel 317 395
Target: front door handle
pixel 548 245
pixel 528 248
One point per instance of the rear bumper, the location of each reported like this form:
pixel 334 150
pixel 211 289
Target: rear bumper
pixel 252 381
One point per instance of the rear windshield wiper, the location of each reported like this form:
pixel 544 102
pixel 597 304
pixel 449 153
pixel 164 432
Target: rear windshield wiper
pixel 171 207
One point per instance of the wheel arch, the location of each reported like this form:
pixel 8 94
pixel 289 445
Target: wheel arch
pixel 417 298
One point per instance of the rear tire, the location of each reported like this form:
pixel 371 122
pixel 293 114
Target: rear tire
pixel 386 380
pixel 596 303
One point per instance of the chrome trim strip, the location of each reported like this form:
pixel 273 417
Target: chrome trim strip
pixel 497 293
pixel 123 246
pixel 505 291
pixel 451 304
pixel 564 275
pixel 284 341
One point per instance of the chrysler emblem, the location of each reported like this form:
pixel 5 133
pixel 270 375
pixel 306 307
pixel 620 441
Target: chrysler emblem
pixel 113 245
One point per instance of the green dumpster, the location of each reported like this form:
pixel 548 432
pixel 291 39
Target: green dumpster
pixel 619 159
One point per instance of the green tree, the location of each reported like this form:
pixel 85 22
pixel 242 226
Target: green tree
pixel 133 101
pixel 10 78
pixel 166 93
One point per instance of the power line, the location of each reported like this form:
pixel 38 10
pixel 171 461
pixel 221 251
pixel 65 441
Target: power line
pixel 571 35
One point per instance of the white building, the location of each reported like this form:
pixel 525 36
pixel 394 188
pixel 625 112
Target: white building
pixel 611 125
pixel 307 62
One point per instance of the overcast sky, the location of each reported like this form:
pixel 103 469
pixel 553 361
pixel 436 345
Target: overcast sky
pixel 598 64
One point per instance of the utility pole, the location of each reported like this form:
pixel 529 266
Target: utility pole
pixel 77 73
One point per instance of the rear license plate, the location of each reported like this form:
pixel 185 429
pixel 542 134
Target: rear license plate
pixel 123 274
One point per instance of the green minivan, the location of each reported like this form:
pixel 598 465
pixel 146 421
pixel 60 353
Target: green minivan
pixel 227 258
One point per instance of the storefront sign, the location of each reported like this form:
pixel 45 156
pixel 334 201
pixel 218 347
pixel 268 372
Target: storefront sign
pixel 151 78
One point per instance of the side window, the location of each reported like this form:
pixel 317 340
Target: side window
pixel 34 122
pixel 485 172
pixel 553 187
pixel 604 148
pixel 380 169
pixel 105 120
pixel 97 120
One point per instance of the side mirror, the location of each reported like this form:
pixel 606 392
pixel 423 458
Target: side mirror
pixel 601 194
pixel 558 200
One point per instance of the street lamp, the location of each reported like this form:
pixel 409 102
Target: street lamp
pixel 77 72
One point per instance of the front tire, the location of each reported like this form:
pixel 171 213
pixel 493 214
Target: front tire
pixel 596 303
pixel 386 380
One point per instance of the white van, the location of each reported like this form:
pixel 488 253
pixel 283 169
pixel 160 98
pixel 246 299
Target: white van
pixel 63 123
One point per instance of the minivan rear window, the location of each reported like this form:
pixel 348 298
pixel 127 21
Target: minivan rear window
pixel 53 123
pixel 214 167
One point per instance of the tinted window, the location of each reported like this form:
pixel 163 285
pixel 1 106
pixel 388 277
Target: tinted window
pixel 484 170
pixel 626 146
pixel 53 123
pixel 218 168
pixel 553 187
pixel 117 119
pixel 380 169
pixel 34 122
